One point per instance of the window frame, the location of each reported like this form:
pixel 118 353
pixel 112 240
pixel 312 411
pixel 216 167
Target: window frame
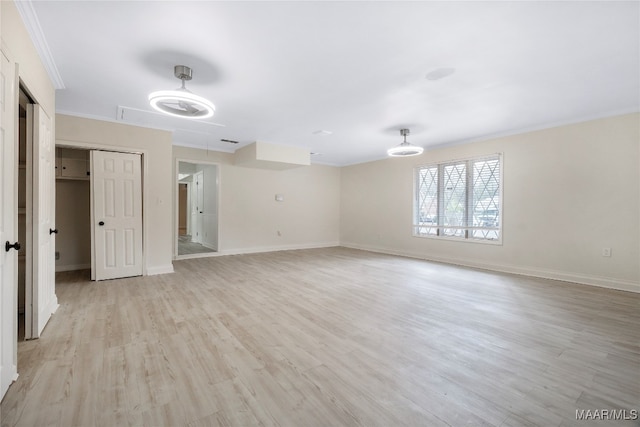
pixel 467 238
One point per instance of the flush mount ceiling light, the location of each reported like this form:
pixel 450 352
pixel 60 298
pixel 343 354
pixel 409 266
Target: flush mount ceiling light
pixel 405 149
pixel 181 102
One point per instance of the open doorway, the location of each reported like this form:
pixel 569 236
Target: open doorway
pixel 73 210
pixel 25 166
pixel 196 209
pixel 36 298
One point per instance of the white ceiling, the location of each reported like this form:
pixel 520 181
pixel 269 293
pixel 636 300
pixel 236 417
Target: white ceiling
pixel 280 71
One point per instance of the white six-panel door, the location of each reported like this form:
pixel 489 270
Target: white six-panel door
pixel 116 186
pixel 8 231
pixel 43 289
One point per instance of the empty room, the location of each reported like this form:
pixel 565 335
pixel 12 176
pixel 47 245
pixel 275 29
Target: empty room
pixel 320 213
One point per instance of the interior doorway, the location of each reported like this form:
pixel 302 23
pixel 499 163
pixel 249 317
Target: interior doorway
pixel 35 299
pixel 25 172
pixel 196 207
pixel 98 195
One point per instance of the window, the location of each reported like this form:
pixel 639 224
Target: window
pixel 460 199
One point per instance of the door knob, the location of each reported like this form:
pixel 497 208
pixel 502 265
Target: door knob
pixel 101 223
pixel 8 246
pixel 53 231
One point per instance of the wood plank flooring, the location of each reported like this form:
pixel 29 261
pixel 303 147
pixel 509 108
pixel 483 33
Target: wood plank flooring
pixel 187 247
pixel 328 337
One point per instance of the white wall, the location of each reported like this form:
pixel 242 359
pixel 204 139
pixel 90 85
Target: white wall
pixel 155 146
pixel 568 192
pixel 249 216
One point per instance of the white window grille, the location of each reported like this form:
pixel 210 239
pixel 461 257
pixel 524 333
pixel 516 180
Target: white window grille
pixel 460 199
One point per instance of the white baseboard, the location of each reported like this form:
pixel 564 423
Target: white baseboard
pixel 603 282
pixel 46 313
pixel 209 246
pixel 161 269
pixel 256 250
pixel 8 374
pixel 198 255
pixel 73 267
pixel 151 271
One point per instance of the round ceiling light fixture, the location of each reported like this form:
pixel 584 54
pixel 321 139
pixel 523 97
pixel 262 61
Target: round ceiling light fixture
pixel 181 102
pixel 405 149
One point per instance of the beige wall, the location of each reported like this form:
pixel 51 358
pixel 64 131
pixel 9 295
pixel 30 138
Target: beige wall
pixel 568 192
pixel 16 42
pixel 249 216
pixel 155 146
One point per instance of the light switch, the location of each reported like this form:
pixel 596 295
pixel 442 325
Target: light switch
pixel 279 198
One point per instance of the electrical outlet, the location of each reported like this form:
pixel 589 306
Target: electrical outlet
pixel 606 252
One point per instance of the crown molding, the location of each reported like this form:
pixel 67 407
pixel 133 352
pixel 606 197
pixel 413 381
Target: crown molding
pixel 32 24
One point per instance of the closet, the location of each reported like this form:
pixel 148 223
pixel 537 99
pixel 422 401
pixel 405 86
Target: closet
pixel 73 209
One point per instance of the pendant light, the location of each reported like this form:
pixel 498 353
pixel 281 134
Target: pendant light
pixel 405 149
pixel 181 102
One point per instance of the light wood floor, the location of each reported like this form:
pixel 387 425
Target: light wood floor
pixel 187 247
pixel 328 337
